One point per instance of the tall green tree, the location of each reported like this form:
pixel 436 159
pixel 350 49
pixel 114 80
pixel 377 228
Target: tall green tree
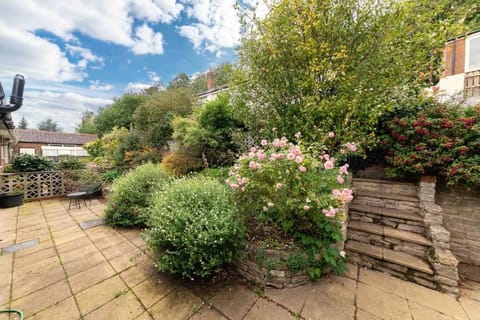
pixel 182 80
pixel 118 114
pixel 23 124
pixel 153 118
pixel 316 66
pixel 49 125
pixel 87 124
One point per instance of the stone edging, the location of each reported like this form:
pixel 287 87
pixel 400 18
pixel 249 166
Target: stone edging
pixel 267 267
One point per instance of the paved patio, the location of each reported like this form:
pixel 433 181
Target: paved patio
pixel 103 273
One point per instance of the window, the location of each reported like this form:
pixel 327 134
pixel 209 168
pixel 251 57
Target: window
pixel 472 57
pixel 30 151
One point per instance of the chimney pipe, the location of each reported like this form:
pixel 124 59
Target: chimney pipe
pixel 16 99
pixel 210 80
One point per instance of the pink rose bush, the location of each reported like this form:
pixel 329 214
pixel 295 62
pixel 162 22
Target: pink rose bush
pixel 279 183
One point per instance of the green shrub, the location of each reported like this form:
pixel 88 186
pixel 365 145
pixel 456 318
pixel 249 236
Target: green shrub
pixel 131 194
pixel 194 227
pixel 220 173
pixel 435 139
pixel 70 163
pixel 31 163
pixel 112 174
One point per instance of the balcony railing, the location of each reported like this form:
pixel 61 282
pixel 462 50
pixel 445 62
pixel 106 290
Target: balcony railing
pixel 472 84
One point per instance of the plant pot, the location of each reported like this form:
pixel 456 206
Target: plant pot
pixel 11 199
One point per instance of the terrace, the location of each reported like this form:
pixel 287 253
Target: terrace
pixel 79 270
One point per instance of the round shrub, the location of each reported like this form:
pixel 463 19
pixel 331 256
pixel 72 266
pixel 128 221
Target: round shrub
pixel 31 163
pixel 194 227
pixel 131 194
pixel 70 163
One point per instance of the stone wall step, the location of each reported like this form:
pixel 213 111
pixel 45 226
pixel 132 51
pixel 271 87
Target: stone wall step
pixel 388 196
pixel 384 181
pixel 389 212
pixel 390 232
pixel 399 258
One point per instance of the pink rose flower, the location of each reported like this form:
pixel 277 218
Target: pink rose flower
pixel 328 165
pixel 330 213
pixel 280 156
pixel 270 204
pixel 278 185
pixel 344 169
pixel 253 149
pixel 261 156
pixel 331 134
pixel 351 146
pixel 302 168
pixel 298 159
pixel 254 166
pixel 340 179
pixel 251 155
pixel 306 208
pixel 290 156
pixel 264 142
pixel 276 143
pixel 234 186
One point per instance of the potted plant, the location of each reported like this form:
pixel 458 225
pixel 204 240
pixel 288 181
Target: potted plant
pixel 11 199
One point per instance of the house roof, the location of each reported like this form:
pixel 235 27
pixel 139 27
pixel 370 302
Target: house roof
pixel 39 136
pixel 216 90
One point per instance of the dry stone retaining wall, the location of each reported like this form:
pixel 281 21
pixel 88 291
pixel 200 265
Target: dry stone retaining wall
pixel 461 216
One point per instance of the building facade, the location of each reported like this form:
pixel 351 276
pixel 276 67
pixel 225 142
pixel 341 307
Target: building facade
pixel 461 77
pixel 51 144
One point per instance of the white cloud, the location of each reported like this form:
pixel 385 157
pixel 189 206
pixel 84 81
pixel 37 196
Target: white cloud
pixel 96 85
pixel 147 41
pixel 153 76
pixel 164 11
pixel 134 87
pixel 64 108
pixel 37 58
pixel 86 57
pixel 217 25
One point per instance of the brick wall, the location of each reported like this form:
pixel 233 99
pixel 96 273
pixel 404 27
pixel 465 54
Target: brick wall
pixel 36 146
pixel 454 55
pixel 461 209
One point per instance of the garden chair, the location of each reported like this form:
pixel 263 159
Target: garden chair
pixel 85 191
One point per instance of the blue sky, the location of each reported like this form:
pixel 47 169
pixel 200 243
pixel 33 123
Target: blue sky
pixel 79 54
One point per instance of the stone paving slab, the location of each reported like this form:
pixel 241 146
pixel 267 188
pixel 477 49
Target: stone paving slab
pixel 104 273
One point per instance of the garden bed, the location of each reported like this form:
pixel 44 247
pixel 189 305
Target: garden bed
pixel 270 267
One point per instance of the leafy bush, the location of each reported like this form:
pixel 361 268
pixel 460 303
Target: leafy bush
pixel 31 163
pixel 436 139
pixel 278 184
pixel 220 173
pixel 112 174
pixel 194 227
pixel 213 135
pixel 180 163
pixel 70 163
pixel 131 195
